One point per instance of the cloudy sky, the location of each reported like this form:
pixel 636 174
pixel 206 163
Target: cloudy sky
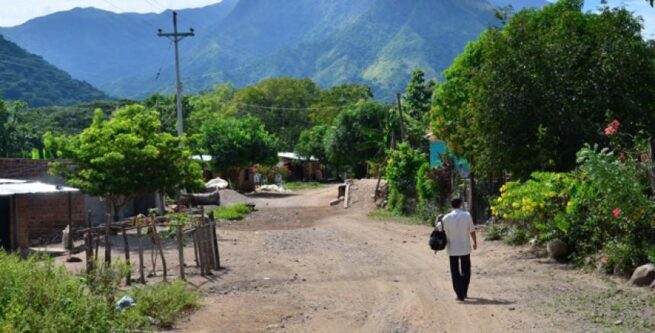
pixel 18 11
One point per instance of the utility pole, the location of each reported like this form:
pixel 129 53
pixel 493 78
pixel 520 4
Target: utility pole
pixel 175 37
pixel 400 111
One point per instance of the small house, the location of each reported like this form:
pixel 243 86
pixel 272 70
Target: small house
pixel 35 212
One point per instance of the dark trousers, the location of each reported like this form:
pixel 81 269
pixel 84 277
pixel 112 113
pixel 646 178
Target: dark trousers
pixel 461 279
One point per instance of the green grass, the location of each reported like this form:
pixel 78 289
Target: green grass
pixel 385 215
pixel 232 213
pixel 37 296
pixel 295 186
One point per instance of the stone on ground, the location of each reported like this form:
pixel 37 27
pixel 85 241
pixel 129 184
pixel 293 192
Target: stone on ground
pixel 557 249
pixel 643 275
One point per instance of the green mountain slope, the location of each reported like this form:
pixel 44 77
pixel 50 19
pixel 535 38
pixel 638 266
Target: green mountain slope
pixel 99 46
pixel 27 77
pixel 378 42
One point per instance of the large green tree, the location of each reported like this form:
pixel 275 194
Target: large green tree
pixel 311 143
pixel 332 101
pixel 239 142
pixel 125 156
pixel 358 135
pixel 282 104
pixel 418 95
pixel 527 96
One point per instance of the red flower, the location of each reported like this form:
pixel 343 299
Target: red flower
pixel 604 260
pixel 623 157
pixel 612 128
pixel 616 212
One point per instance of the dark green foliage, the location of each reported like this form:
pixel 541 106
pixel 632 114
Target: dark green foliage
pixel 334 100
pixel 281 104
pixel 358 135
pixel 27 77
pixel 432 189
pixel 167 108
pixel 312 143
pixel 239 143
pixel 418 96
pixel 527 96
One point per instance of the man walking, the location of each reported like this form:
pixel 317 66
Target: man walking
pixel 458 226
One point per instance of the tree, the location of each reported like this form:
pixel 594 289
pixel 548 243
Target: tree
pixel 209 106
pixel 125 156
pixel 282 104
pixel 335 99
pixel 238 143
pixel 167 108
pixel 310 143
pixel 418 96
pixel 358 135
pixel 527 96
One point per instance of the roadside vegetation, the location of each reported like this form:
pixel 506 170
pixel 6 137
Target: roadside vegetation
pixel 232 213
pixel 295 186
pixel 37 296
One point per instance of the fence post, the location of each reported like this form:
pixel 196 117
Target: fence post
pixel 127 256
pixel 142 277
pixel 89 243
pixel 161 251
pixel 180 247
pixel 214 239
pixel 108 240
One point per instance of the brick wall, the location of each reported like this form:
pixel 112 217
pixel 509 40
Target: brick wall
pixel 45 215
pixel 20 168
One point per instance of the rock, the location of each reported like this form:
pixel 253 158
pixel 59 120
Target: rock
pixel 557 249
pixel 643 275
pixel 652 285
pixel 216 184
pixel 618 322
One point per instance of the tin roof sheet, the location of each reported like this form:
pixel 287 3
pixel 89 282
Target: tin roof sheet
pixel 16 186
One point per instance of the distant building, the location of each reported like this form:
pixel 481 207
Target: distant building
pixel 301 168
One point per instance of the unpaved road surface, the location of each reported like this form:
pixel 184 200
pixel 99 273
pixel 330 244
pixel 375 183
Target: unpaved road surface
pixel 298 265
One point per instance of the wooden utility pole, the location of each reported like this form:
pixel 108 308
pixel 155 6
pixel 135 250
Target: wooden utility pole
pixel 400 112
pixel 176 37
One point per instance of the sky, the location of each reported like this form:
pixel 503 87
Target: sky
pixel 15 12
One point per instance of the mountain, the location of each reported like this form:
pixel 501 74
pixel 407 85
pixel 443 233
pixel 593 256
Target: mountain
pixel 377 42
pixel 27 77
pixel 99 46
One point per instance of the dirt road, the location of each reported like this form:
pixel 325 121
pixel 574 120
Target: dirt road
pixel 297 265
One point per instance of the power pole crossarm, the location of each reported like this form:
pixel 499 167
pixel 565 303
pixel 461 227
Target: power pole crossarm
pixel 176 37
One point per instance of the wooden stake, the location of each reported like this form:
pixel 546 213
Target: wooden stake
pixel 142 277
pixel 89 243
pixel 180 248
pixel 107 240
pixel 161 251
pixel 128 278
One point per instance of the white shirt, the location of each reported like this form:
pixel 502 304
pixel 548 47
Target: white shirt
pixel 458 225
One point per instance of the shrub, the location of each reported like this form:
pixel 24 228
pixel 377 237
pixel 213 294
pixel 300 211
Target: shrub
pixel 496 231
pixel 165 302
pixel 432 189
pixel 602 206
pixel 400 173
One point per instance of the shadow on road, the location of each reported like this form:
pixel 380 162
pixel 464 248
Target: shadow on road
pixel 271 195
pixel 486 301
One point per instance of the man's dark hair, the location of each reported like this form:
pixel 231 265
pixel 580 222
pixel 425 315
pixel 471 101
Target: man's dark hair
pixel 456 203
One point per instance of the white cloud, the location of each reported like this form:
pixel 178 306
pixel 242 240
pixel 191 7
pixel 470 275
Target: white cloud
pixel 15 12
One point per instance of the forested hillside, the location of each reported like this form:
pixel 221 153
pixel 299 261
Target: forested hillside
pixel 376 42
pixel 27 77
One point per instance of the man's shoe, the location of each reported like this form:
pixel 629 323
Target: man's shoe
pixel 460 299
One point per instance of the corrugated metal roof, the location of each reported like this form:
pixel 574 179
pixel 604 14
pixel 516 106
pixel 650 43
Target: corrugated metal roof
pixel 294 156
pixel 16 186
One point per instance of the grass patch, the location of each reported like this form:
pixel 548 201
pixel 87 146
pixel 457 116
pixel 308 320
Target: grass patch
pixel 385 215
pixel 232 213
pixel 164 302
pixel 295 186
pixel 37 296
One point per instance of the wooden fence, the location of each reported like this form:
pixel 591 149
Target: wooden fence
pixel 201 230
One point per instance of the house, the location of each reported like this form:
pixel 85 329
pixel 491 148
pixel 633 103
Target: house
pixel 301 168
pixel 36 212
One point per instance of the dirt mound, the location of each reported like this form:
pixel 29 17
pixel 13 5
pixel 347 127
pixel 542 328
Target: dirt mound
pixel 362 192
pixel 231 197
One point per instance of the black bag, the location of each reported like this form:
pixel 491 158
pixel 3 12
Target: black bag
pixel 438 240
